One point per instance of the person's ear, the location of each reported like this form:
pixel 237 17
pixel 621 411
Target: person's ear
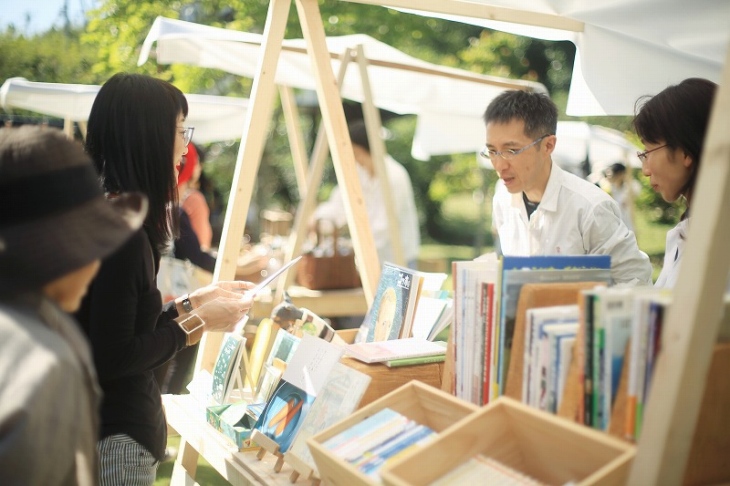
pixel 687 160
pixel 549 143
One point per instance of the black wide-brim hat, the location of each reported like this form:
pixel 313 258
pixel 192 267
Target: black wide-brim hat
pixel 54 217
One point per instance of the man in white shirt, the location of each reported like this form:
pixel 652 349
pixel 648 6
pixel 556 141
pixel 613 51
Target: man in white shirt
pixel 334 208
pixel 540 209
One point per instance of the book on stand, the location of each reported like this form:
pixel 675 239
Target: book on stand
pixel 391 314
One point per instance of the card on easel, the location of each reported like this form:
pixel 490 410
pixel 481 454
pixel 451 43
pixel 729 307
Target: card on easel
pixel 305 375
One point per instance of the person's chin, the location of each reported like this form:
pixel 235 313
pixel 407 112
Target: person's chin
pixel 511 185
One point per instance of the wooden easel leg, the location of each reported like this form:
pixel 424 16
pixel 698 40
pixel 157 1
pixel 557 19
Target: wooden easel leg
pixel 186 464
pixel 333 117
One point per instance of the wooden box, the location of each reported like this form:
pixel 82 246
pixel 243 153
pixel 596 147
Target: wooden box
pixel 384 379
pixel 547 448
pixel 426 405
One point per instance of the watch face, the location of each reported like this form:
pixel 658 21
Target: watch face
pixel 187 306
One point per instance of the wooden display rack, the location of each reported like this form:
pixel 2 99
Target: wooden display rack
pixel 680 376
pixel 542 446
pixel 424 404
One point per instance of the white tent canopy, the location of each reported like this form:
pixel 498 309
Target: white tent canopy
pixel 215 118
pixel 625 49
pixel 600 146
pixel 449 102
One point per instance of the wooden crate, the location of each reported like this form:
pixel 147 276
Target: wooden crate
pixel 547 448
pixel 385 380
pixel 425 404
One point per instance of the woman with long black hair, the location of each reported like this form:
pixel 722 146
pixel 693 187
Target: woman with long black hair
pixel 136 138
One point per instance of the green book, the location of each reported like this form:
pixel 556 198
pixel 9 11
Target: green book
pixel 395 363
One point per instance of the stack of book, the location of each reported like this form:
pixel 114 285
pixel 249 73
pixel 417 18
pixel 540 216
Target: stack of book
pixel 375 441
pixel 486 293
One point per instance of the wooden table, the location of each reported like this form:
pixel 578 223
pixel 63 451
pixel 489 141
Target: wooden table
pixel 324 303
pixel 187 417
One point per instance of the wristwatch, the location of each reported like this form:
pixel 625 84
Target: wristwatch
pixel 187 306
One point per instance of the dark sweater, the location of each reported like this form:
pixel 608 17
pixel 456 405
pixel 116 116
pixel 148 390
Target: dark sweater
pixel 187 246
pixel 131 335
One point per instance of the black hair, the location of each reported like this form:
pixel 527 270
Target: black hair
pixel 678 116
pixel 359 134
pixel 131 138
pixel 536 110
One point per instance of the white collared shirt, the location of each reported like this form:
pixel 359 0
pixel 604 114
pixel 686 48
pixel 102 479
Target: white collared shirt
pixel 676 238
pixel 334 210
pixel 574 217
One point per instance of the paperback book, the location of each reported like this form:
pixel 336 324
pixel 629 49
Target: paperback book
pixel 391 314
pixel 376 352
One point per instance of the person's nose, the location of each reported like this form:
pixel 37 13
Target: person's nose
pixel 499 163
pixel 645 168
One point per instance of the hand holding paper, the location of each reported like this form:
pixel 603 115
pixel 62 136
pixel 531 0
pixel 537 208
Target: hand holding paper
pixel 268 280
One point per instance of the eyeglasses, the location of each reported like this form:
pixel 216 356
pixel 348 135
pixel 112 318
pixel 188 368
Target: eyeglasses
pixel 643 155
pixel 187 134
pixel 508 154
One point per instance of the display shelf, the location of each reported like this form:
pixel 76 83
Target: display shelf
pixel 186 416
pixel 540 445
pixel 422 403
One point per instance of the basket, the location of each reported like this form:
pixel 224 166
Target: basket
pixel 326 266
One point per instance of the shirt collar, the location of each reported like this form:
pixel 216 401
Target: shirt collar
pixel 549 200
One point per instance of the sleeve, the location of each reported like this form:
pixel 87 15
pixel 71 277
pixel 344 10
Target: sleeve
pixel 333 209
pixel 44 415
pixel 187 246
pixel 197 209
pixel 128 332
pixel 606 234
pixel 407 211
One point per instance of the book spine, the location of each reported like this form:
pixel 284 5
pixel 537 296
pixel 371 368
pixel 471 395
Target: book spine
pixel 588 362
pixel 488 351
pixel 396 363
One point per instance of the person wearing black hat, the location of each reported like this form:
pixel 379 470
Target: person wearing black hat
pixel 136 137
pixel 55 227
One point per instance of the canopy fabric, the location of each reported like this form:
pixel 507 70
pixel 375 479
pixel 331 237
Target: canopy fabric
pixel 579 142
pixel 449 102
pixel 215 118
pixel 625 48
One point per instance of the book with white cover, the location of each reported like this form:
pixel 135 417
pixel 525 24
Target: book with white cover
pixel 379 351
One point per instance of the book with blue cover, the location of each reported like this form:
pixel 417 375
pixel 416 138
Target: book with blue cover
pixel 393 305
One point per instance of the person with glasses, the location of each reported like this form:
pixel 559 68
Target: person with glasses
pixel 540 209
pixel 136 139
pixel 672 127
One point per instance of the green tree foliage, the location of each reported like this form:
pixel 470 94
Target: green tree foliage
pixel 53 56
pixel 117 28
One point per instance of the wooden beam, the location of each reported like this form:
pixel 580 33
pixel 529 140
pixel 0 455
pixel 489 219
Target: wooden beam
pixel 374 128
pixel 483 11
pixel 692 324
pixel 333 116
pixel 309 198
pixel 446 72
pixel 296 138
pixel 247 163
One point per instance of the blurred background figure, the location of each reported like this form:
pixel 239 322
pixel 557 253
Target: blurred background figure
pixel 192 199
pixel 334 208
pixel 55 227
pixel 623 188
